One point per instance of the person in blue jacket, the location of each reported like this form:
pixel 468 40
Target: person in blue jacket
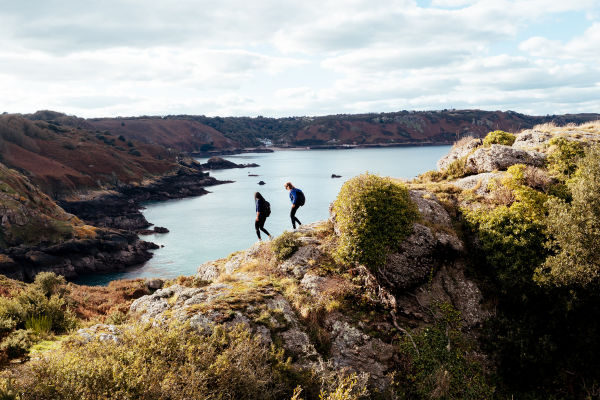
pixel 297 199
pixel 263 209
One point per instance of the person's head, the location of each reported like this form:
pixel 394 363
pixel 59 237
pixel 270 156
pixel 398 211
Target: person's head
pixel 289 186
pixel 258 196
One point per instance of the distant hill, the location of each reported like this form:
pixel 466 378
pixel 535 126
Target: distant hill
pixel 61 157
pixel 189 133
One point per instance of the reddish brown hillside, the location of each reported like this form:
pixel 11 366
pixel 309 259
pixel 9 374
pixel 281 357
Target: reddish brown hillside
pixel 63 159
pixel 178 134
pixel 408 127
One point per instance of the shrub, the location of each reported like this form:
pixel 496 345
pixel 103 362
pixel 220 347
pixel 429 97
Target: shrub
pixel 41 324
pixel 17 344
pixel 437 363
pixel 116 318
pixel 49 283
pixel 174 362
pixel 564 156
pixel 512 238
pixel 285 245
pixel 36 304
pixel 575 229
pixel 374 215
pixel 499 137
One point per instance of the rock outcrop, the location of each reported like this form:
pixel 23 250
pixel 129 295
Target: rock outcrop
pixel 458 151
pixel 237 290
pixel 221 163
pixel 108 251
pixel 500 157
pixel 121 209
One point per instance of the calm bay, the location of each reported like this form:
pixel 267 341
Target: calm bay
pixel 214 225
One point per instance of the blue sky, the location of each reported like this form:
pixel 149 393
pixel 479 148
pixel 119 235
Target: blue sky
pixel 274 58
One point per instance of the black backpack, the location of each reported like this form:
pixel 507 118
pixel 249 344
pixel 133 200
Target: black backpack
pixel 300 199
pixel 266 208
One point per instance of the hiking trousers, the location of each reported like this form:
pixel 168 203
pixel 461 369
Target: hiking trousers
pixel 260 226
pixel 293 216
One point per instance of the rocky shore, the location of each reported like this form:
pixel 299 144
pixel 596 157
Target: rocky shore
pixel 114 220
pixel 122 209
pixel 109 251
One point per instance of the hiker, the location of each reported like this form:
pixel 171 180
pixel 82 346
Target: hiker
pixel 263 210
pixel 298 199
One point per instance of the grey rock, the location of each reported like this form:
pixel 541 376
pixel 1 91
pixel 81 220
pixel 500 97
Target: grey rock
pixel 429 208
pixel 312 283
pixel 500 157
pixel 458 151
pixel 208 271
pixel 413 263
pixel 299 262
pixel 480 182
pixel 352 349
pixel 531 140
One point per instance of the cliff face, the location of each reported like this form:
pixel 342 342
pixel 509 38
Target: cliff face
pixel 37 235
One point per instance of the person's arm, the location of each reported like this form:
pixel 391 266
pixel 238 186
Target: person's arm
pixel 257 209
pixel 293 197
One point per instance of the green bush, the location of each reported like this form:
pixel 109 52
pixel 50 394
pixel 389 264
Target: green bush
pixel 374 215
pixel 49 283
pixel 41 324
pixel 437 364
pixel 285 245
pixel 564 156
pixel 116 318
pixel 499 137
pixel 174 362
pixel 17 344
pixel 575 229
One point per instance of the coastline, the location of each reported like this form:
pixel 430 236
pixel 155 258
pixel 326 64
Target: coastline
pixel 272 149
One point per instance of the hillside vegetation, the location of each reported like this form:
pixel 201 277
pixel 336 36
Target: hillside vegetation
pixel 62 159
pixel 30 217
pixel 481 284
pixel 197 133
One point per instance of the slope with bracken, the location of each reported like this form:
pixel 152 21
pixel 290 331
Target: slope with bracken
pixel 62 159
pixel 191 133
pixel 37 235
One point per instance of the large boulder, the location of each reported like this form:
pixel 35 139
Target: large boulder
pixel 431 243
pixel 479 183
pixel 500 157
pixel 460 149
pixel 532 140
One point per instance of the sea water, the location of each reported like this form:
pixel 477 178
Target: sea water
pixel 214 225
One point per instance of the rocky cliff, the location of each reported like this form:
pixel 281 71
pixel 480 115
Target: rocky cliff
pixel 37 235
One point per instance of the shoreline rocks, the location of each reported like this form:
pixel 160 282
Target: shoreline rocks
pixel 221 163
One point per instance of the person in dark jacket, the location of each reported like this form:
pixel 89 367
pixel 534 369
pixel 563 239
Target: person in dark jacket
pixel 294 198
pixel 261 215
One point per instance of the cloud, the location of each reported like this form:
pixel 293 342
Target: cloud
pixel 585 47
pixel 131 57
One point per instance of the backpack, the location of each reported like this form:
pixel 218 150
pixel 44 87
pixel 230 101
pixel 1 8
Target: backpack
pixel 266 208
pixel 300 198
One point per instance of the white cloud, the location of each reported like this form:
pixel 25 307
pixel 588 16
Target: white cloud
pixel 131 57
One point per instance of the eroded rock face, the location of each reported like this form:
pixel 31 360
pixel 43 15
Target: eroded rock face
pixel 480 183
pixel 500 157
pixel 531 140
pixel 457 152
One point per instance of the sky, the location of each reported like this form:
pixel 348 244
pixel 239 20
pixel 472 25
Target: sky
pixel 279 58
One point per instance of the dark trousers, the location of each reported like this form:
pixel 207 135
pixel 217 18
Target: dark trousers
pixel 293 216
pixel 260 226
